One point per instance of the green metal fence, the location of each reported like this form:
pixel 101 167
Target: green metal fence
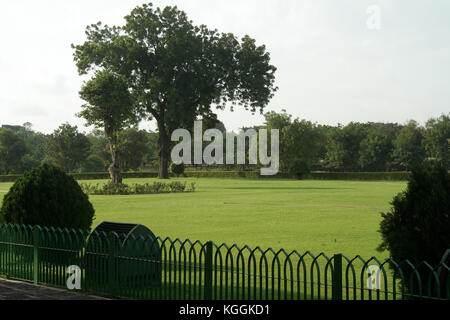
pixel 186 270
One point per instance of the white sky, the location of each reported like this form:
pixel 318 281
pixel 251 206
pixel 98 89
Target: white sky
pixel 331 68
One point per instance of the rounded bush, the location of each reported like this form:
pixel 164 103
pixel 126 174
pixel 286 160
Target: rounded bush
pixel 48 197
pixel 299 169
pixel 177 169
pixel 418 226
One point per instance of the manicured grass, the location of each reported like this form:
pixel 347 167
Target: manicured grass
pixel 319 216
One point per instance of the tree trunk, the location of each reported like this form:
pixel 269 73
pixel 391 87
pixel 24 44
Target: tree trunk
pixel 164 152
pixel 115 169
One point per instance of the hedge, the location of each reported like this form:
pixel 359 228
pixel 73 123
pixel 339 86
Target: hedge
pixel 365 176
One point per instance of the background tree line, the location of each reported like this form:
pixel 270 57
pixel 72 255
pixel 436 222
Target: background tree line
pixel 304 146
pixel 22 149
pixel 360 147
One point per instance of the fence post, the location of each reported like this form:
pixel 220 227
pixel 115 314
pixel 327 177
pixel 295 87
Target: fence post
pixel 112 265
pixel 36 235
pixel 337 277
pixel 208 271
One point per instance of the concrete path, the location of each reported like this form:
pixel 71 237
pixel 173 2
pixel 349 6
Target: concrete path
pixel 13 290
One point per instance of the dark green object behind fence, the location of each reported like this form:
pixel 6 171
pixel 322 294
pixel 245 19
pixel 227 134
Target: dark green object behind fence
pixel 205 271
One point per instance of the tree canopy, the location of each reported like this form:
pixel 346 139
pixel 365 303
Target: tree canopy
pixel 67 147
pixel 178 71
pixel 12 150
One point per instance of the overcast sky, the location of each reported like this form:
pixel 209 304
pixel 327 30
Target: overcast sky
pixel 332 68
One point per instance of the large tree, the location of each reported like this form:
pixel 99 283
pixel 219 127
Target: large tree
pixel 178 71
pixel 110 107
pixel 67 147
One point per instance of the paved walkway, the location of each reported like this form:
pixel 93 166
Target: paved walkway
pixel 13 290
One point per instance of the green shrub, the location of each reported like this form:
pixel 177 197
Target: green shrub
pixel 299 169
pixel 360 176
pixel 177 169
pixel 147 188
pixel 48 197
pixel 418 226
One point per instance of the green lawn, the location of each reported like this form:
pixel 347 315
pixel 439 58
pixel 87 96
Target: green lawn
pixel 320 216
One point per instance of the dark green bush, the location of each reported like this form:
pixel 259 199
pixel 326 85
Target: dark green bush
pixel 299 169
pixel 48 197
pixel 177 169
pixel 418 226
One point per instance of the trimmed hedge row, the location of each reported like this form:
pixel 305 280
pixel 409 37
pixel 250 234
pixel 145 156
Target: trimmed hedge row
pixel 10 178
pixel 365 176
pixel 90 176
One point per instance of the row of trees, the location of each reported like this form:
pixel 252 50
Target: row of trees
pixel 371 147
pixel 304 146
pixel 22 149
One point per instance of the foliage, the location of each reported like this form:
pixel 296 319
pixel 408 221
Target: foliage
pixel 343 147
pixel 110 107
pixel 278 121
pixel 100 146
pixel 349 176
pixel 93 164
pixel 133 145
pixel 360 176
pixel 178 71
pixel 300 142
pixel 299 168
pixel 147 188
pixel 12 150
pixel 437 139
pixel 408 147
pixel 299 146
pixel 383 148
pixel 67 147
pixel 375 148
pixel 47 196
pixel 177 169
pixel 35 142
pixel 418 226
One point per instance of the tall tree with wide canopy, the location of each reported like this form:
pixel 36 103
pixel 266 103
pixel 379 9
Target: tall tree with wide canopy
pixel 177 71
